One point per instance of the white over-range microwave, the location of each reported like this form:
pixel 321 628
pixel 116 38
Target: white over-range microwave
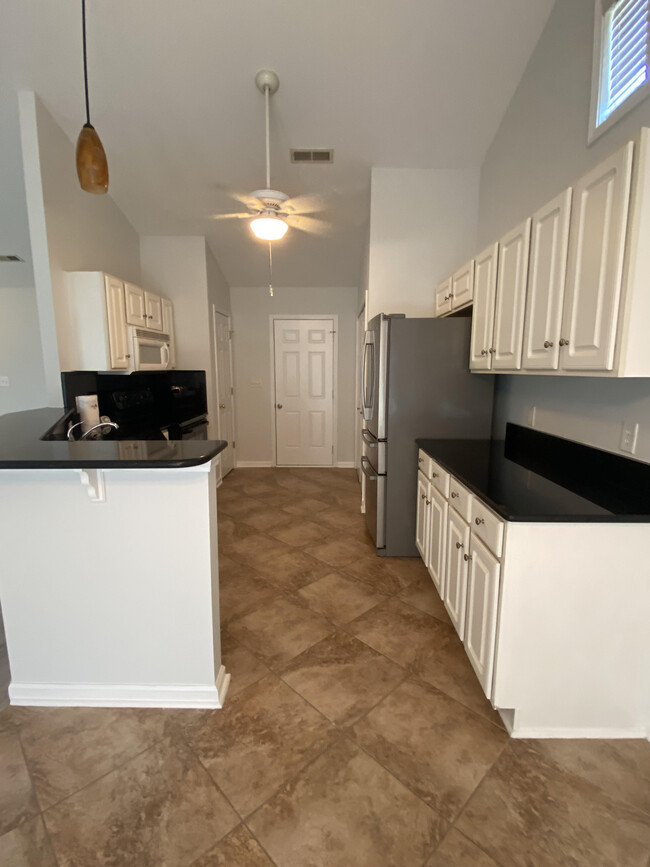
pixel 151 350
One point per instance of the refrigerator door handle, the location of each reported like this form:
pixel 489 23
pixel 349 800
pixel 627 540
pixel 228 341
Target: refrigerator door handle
pixel 368 438
pixel 368 358
pixel 365 463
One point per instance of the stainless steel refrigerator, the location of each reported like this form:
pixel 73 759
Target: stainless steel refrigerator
pixel 415 383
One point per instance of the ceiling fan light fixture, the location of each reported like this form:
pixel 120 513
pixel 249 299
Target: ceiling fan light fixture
pixel 268 228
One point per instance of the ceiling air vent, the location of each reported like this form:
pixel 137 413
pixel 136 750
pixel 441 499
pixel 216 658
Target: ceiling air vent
pixel 321 155
pixel 9 257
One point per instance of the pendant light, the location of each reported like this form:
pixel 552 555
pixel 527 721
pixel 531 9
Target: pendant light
pixel 92 166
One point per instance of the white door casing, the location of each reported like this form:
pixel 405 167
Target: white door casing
pixel 595 270
pixel 358 412
pixel 485 285
pixel 511 298
pixel 304 393
pixel 223 357
pixel 546 280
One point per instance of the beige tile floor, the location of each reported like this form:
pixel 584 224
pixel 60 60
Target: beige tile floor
pixel 354 735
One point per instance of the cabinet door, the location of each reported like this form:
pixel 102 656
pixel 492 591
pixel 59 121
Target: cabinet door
pixel 168 328
pixel 115 313
pixel 153 311
pixel 437 540
pixel 462 286
pixel 443 297
pixel 135 309
pixel 595 270
pixel 485 284
pixel 422 524
pixel 457 544
pixel 482 605
pixel 511 298
pixel 546 279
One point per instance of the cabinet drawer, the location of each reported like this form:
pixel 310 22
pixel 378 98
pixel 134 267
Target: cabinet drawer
pixel 460 498
pixel 487 527
pixel 424 464
pixel 439 477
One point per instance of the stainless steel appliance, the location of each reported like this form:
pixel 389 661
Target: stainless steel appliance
pixel 415 383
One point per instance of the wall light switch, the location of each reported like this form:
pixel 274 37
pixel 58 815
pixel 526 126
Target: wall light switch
pixel 629 436
pixel 4 382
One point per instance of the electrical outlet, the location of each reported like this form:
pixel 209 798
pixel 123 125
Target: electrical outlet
pixel 532 412
pixel 4 382
pixel 629 436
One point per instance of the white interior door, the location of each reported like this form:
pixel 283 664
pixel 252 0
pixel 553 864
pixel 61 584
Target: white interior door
pixel 304 400
pixel 224 390
pixel 358 416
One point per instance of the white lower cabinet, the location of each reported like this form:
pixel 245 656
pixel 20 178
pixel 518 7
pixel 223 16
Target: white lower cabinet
pixel 482 607
pixel 437 540
pixel 455 598
pixel 422 520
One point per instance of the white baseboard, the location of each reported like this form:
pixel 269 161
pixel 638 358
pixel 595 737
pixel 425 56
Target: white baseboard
pixel 346 465
pixel 241 464
pixel 120 695
pixel 597 733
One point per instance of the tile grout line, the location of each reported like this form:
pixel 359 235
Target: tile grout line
pixel 39 815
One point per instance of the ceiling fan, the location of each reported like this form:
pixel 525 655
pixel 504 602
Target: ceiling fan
pixel 272 212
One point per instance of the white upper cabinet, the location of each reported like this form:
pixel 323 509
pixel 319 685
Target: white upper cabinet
pixel 443 297
pixel 136 311
pixel 168 328
pixel 512 275
pixel 595 269
pixel 485 284
pixel 546 281
pixel 118 344
pixel 153 311
pixel 462 286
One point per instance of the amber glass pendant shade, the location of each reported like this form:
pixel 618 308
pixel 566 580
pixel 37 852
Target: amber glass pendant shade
pixel 92 166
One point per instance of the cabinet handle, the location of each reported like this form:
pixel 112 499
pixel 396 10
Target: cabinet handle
pixel 428 502
pixel 222 406
pixel 563 342
pixel 422 496
pixel 492 351
pixel 420 460
pixel 484 352
pixel 454 494
pixel 434 475
pixel 128 356
pixel 479 521
pixel 459 544
pixel 466 558
pixel 548 344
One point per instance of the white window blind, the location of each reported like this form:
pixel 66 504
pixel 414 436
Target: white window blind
pixel 625 54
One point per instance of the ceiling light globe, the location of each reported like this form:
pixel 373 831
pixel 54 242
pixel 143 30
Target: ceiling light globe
pixel 269 228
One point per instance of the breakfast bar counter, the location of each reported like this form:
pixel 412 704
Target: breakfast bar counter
pixel 109 569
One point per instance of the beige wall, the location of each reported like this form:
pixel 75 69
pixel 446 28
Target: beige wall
pixel 540 148
pixel 251 311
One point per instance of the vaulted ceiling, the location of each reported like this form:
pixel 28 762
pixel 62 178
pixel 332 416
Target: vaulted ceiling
pixel 419 83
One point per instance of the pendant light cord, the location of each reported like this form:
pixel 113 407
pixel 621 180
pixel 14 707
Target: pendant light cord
pixel 268 146
pixel 83 25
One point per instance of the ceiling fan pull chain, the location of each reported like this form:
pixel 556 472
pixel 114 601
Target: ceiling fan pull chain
pixel 270 270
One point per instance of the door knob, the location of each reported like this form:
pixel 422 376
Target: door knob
pixel 222 406
pixel 279 405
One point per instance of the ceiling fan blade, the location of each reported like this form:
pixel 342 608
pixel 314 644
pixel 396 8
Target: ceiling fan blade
pixel 247 201
pixel 308 224
pixel 304 205
pixel 231 216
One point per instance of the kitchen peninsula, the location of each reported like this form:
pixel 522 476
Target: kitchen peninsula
pixel 109 569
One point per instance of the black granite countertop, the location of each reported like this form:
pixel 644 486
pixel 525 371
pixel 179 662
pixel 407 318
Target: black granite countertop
pixel 22 448
pixel 532 476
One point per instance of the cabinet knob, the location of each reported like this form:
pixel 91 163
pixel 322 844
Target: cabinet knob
pixel 454 495
pixel 279 405
pixel 428 502
pixel 128 355
pixel 484 352
pixel 492 351
pixel 434 475
pixel 222 406
pixel 422 496
pixel 459 544
pixel 563 342
pixel 479 521
pixel 420 460
pixel 548 344
pixel 466 558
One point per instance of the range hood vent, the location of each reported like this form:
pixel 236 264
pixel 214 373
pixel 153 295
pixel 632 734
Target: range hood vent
pixel 319 155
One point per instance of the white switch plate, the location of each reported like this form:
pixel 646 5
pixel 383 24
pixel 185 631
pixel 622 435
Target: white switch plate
pixel 629 436
pixel 532 412
pixel 4 382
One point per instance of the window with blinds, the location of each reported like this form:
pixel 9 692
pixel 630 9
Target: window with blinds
pixel 621 53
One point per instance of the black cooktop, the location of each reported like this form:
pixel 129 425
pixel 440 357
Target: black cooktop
pixel 533 476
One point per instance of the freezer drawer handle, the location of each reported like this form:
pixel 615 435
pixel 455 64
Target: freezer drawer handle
pixel 368 439
pixel 365 463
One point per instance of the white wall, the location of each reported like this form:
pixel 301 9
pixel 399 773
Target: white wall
pixel 541 147
pixel 251 309
pixel 21 358
pixel 177 267
pixel 422 227
pixel 70 230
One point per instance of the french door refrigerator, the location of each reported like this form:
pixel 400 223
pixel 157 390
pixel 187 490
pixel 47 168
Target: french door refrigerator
pixel 415 383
